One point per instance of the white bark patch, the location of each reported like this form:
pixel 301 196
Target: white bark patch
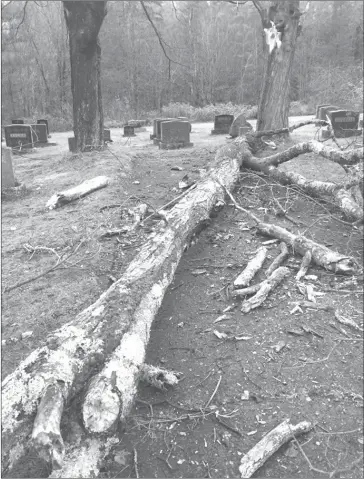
pixel 84 461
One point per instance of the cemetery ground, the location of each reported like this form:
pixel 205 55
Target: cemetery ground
pixel 278 361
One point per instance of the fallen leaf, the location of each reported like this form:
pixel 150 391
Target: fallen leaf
pixel 176 168
pixel 180 325
pixel 243 338
pixel 136 182
pixel 121 457
pixel 221 318
pixel 220 335
pixel 245 396
pixel 251 433
pixel 27 334
pixel 279 346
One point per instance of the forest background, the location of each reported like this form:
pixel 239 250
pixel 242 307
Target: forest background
pixel 211 61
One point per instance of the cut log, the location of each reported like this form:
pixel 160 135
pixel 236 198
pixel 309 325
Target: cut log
pixel 270 443
pixel 278 260
pixel 74 351
pixel 72 194
pixel 266 287
pixel 252 268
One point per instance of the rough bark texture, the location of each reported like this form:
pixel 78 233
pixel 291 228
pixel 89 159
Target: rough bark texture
pixel 274 101
pixel 252 268
pixel 85 188
pixel 122 313
pixel 270 443
pixel 84 20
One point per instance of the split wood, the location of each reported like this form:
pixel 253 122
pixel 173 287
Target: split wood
pixel 253 266
pixel 270 443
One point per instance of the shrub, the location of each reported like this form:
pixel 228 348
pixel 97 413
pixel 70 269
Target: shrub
pixel 205 113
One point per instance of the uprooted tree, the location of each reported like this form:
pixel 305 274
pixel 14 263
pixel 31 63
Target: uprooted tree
pixel 92 364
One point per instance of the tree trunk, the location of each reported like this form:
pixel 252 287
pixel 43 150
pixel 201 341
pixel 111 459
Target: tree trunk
pixel 84 20
pixel 274 100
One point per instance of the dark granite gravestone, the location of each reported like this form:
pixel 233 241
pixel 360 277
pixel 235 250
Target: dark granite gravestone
pixel 7 172
pixel 107 135
pixel 44 122
pixel 40 133
pixel 222 124
pixel 239 122
pixel 324 111
pixel 158 122
pixel 345 123
pixel 17 122
pixel 129 131
pixel 318 109
pixel 19 136
pixel 175 134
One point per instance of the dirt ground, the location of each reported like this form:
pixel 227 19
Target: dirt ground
pixel 302 365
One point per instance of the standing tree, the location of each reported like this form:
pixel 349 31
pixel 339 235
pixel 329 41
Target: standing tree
pixel 84 20
pixel 281 29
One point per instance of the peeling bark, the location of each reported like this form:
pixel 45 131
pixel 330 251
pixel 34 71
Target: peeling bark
pixel 266 287
pixel 122 314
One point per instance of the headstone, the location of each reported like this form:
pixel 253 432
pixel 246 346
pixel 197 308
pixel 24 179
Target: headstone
pixel 7 172
pixel 19 136
pixel 222 124
pixel 158 132
pixel 318 109
pixel 324 111
pixel 186 119
pixel 40 134
pixel 345 123
pixel 44 122
pixel 129 131
pixel 239 122
pixel 17 122
pixel 72 145
pixel 175 134
pixel 107 135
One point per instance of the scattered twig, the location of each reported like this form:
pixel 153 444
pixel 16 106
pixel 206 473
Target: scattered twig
pixel 49 270
pixel 213 394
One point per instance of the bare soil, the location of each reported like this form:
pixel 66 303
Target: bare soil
pixel 302 365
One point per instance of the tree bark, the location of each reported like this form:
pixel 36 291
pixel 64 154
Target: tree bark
pixel 274 100
pixel 123 313
pixel 84 20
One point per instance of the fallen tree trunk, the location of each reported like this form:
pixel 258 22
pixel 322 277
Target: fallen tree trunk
pixel 74 351
pixel 72 194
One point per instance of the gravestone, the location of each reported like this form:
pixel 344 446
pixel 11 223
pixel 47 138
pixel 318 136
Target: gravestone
pixel 158 131
pixel 318 109
pixel 345 123
pixel 44 122
pixel 222 124
pixel 239 122
pixel 19 136
pixel 40 134
pixel 7 172
pixel 129 131
pixel 324 111
pixel 186 119
pixel 107 135
pixel 175 134
pixel 17 122
pixel 72 146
